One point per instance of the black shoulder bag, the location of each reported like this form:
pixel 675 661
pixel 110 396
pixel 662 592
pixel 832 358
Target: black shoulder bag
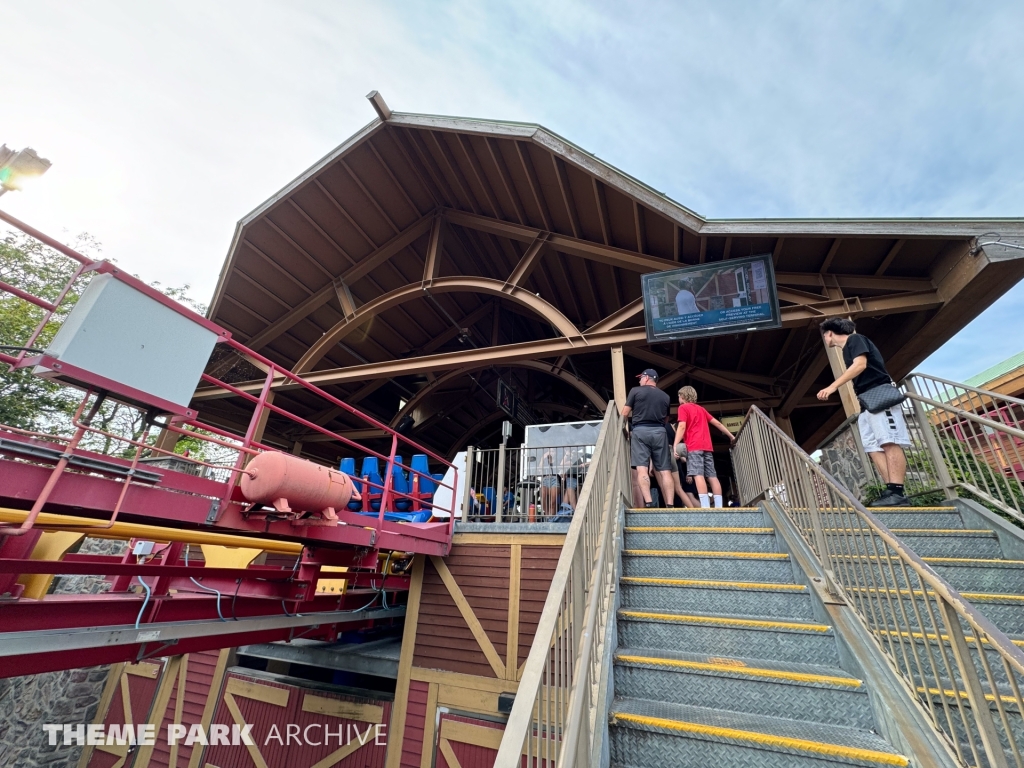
pixel 881 398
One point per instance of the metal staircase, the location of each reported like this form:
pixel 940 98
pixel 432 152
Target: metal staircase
pixel 721 657
pixel 972 558
pixel 808 630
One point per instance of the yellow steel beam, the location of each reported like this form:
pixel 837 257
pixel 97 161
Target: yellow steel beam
pixel 149 532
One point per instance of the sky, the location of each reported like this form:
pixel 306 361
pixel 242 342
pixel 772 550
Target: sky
pixel 167 122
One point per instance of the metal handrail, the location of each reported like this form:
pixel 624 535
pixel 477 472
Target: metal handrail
pixel 555 715
pixel 962 670
pixel 975 438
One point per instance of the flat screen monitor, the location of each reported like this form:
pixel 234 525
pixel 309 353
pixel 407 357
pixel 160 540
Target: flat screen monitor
pixel 711 299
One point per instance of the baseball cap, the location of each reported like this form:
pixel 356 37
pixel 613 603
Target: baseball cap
pixel 649 373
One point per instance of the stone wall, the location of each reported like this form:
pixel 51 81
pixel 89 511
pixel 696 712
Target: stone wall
pixel 70 696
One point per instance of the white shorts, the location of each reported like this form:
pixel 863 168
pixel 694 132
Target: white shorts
pixel 878 429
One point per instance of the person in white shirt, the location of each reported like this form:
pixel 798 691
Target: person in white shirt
pixel 686 303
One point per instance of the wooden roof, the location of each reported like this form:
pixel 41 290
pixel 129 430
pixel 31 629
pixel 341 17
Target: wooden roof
pixel 427 256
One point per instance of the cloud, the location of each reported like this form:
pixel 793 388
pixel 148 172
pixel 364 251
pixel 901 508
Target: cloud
pixel 167 122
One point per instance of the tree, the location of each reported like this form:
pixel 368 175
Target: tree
pixel 28 401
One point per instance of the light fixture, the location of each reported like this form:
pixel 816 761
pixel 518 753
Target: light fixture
pixel 18 168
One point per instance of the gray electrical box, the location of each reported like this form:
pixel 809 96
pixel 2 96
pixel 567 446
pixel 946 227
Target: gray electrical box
pixel 123 335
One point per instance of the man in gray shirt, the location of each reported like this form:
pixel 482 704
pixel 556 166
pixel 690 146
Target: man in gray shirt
pixel 647 408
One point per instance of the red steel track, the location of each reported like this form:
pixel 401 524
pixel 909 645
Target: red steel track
pixel 162 601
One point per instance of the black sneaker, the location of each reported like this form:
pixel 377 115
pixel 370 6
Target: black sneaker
pixel 890 499
pixel 650 505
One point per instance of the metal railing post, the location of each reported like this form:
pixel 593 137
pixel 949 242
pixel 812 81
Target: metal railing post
pixel 762 470
pixel 931 442
pixel 975 692
pixel 499 486
pixel 806 480
pixel 466 508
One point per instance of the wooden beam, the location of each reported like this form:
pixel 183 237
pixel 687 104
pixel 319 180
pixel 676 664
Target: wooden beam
pixel 777 252
pixel 479 634
pixel 619 317
pixel 967 284
pixel 526 263
pixel 887 261
pixel 595 341
pixel 512 634
pixel 567 199
pixel 396 732
pixel 607 254
pixel 619 377
pixel 722 382
pixel 830 255
pixel 846 393
pixel 803 383
pixel 349 276
pixel 524 159
pixel 638 222
pixel 602 211
pixel 432 264
pixel 345 300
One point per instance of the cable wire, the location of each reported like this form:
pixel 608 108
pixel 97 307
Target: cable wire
pixel 142 610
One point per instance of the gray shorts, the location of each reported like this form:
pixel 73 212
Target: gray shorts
pixel 701 463
pixel 571 483
pixel 646 443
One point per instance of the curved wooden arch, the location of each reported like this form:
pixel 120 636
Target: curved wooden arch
pixel 582 387
pixel 412 291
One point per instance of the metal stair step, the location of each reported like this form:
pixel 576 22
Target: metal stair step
pixel 950 542
pixel 1006 611
pixel 927 646
pixel 730 517
pixel 931 543
pixel 707 564
pixel 980 574
pixel 919 517
pixel 651 733
pixel 802 691
pixel 709 596
pixel 701 537
pixel 771 638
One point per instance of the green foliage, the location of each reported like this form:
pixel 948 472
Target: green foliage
pixel 965 467
pixel 27 401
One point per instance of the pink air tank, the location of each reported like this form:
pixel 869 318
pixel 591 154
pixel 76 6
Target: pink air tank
pixel 292 484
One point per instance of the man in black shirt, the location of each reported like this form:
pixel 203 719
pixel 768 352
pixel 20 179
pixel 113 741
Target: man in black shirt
pixel 647 406
pixel 883 434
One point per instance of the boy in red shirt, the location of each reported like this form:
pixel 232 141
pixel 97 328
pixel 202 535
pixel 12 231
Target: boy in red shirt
pixel 693 431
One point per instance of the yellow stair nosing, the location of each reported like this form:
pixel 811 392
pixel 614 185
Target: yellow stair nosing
pixel 695 529
pixel 970 560
pixel 753 585
pixel 943 530
pixel 705 553
pixel 980 596
pixel 766 739
pixel 913 509
pixel 950 693
pixel 686 618
pixel 663 510
pixel 800 677
pixel 940 531
pixel 944 638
